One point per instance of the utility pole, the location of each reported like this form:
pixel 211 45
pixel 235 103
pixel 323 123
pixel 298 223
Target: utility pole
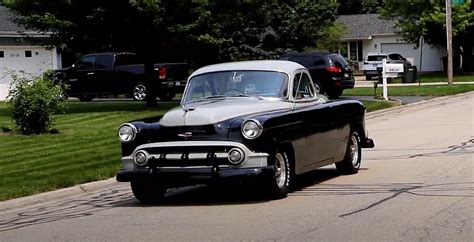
pixel 449 35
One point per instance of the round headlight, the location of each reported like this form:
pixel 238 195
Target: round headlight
pixel 251 129
pixel 127 132
pixel 236 156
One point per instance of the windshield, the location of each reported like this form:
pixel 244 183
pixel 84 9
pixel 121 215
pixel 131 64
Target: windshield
pixel 223 84
pixel 376 57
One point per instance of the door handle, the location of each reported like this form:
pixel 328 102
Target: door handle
pixel 90 73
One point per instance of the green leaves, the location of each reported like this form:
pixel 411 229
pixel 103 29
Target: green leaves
pixel 33 101
pixel 428 19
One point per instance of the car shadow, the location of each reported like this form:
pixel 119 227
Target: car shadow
pixel 212 195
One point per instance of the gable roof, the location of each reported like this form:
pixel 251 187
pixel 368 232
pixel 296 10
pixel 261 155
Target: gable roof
pixel 364 26
pixel 7 23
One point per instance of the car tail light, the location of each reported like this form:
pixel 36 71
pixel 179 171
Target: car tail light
pixel 162 73
pixel 333 69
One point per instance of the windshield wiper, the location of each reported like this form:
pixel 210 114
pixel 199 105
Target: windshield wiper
pixel 246 95
pixel 207 98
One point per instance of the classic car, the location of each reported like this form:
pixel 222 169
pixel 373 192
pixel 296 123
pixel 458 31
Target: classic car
pixel 254 121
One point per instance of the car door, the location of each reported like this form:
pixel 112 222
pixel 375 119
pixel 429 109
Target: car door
pixel 318 146
pixel 81 77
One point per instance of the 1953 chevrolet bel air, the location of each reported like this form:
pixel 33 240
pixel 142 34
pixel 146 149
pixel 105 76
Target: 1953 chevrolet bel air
pixel 252 121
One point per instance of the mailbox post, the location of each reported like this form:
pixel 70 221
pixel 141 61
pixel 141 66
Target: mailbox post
pixel 389 70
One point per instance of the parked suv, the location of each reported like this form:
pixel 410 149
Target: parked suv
pixel 330 72
pixel 374 62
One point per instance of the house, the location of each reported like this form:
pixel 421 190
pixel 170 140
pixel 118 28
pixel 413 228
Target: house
pixel 18 53
pixel 366 33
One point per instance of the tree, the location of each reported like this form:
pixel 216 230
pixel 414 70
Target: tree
pixel 428 19
pixel 240 30
pixel 359 6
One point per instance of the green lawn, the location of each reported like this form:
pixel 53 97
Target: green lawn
pixel 87 149
pixel 438 90
pixel 440 77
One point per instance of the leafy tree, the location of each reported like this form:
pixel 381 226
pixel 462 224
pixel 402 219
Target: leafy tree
pixel 428 19
pixel 239 30
pixel 359 6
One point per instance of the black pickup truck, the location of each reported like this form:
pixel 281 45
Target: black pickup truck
pixel 119 73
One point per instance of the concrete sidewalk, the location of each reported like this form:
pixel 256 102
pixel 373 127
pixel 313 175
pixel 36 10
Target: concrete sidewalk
pixel 363 83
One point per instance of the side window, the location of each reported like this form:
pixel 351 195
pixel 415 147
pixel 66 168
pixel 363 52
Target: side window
pixel 302 60
pixel 302 87
pixel 125 60
pixel 87 62
pixel 318 61
pixel 103 62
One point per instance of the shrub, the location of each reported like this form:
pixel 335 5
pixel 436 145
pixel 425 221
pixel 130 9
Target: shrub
pixel 33 101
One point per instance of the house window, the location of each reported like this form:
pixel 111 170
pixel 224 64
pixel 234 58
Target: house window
pixel 2 54
pixel 27 53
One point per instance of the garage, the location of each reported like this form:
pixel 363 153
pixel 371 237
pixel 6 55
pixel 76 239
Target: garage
pixel 431 56
pixel 19 54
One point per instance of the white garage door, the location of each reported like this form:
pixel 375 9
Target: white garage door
pixel 431 56
pixel 29 59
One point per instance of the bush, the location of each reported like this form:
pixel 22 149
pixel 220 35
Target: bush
pixel 33 101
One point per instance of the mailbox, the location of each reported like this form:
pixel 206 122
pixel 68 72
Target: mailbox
pixel 392 70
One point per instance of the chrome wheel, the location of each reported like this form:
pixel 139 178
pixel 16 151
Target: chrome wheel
pixel 351 162
pixel 139 92
pixel 280 170
pixel 354 151
pixel 317 87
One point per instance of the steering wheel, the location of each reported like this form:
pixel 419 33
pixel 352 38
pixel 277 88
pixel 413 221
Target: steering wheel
pixel 233 92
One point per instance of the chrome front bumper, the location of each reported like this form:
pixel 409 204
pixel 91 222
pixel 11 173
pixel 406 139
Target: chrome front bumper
pixel 172 154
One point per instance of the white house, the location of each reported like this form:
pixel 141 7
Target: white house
pixel 18 53
pixel 369 33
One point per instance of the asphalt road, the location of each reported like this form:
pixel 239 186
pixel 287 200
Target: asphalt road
pixel 417 184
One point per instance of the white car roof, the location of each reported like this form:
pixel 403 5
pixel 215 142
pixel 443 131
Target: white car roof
pixel 261 65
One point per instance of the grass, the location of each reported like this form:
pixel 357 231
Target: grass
pixel 87 149
pixel 440 77
pixel 438 90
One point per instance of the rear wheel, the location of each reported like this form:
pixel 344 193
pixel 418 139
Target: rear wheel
pixel 352 159
pixel 139 92
pixel 148 191
pixel 279 184
pixel 167 95
pixel 318 87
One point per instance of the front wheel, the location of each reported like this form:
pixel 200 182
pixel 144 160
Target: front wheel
pixel 280 182
pixel 148 192
pixel 352 159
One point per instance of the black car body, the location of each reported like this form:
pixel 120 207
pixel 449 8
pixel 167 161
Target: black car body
pixel 120 73
pixel 330 72
pixel 254 121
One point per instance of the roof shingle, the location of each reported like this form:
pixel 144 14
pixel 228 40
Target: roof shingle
pixel 7 23
pixel 361 26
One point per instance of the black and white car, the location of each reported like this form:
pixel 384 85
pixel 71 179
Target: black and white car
pixel 256 121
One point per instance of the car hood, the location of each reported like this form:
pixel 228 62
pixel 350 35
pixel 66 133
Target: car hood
pixel 215 111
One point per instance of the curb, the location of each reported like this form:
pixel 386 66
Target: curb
pixel 56 194
pixel 437 99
